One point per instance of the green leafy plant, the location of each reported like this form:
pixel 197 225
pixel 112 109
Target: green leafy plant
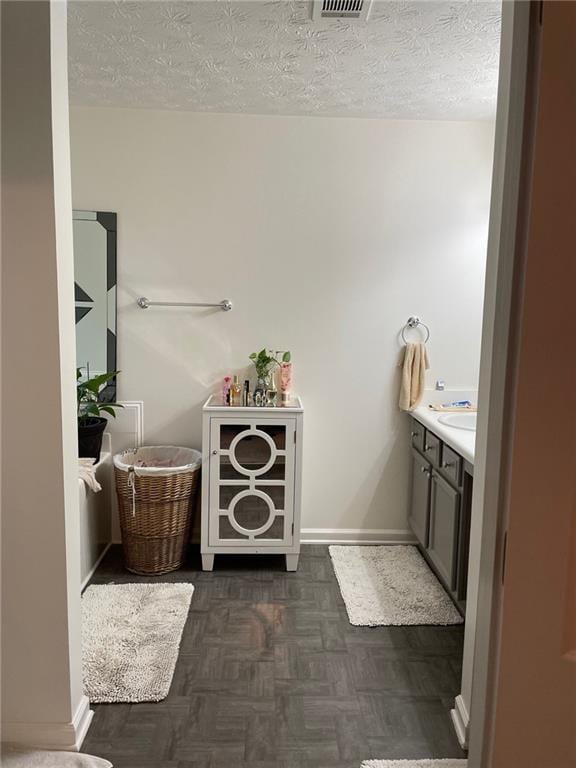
pixel 266 360
pixel 87 392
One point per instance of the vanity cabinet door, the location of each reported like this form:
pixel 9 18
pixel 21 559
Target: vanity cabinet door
pixel 419 503
pixel 251 482
pixel 444 529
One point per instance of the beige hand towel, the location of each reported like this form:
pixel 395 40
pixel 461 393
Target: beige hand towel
pixel 414 367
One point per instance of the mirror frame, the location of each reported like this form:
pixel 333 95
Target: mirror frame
pixel 108 221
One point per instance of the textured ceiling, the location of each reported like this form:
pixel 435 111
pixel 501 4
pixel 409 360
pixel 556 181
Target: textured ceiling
pixel 424 60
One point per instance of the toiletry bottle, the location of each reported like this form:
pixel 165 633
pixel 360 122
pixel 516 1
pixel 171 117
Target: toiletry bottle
pixel 258 393
pixel 226 390
pixel 236 393
pixel 246 393
pixel 285 382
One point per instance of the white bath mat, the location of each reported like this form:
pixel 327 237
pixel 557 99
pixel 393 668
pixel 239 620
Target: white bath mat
pixel 31 758
pixel 390 585
pixel 415 764
pixel 130 639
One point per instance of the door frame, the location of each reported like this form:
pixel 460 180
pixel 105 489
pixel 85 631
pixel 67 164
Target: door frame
pixel 499 328
pixel 522 279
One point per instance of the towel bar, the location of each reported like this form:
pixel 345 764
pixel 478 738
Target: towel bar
pixel 225 305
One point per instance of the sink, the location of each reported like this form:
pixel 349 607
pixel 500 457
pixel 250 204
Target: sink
pixel 459 420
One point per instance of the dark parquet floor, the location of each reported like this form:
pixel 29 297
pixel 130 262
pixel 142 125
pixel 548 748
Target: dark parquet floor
pixel 272 675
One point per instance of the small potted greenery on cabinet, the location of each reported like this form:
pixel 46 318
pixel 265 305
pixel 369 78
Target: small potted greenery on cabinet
pixel 266 362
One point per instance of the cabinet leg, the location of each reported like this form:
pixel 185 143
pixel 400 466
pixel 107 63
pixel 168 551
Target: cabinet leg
pixel 207 562
pixel 292 562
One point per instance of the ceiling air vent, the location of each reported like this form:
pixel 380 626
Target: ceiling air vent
pixel 341 9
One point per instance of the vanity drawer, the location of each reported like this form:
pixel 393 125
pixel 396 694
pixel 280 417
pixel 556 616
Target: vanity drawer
pixel 417 434
pixel 432 448
pixel 451 466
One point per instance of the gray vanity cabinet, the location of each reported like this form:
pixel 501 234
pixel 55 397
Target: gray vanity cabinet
pixel 440 507
pixel 442 546
pixel 419 508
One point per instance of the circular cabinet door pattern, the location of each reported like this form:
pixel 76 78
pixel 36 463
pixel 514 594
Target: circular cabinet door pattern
pixel 236 445
pixel 251 531
pixel 235 449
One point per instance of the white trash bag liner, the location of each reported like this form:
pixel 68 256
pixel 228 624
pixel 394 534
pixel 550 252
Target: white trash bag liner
pixel 158 460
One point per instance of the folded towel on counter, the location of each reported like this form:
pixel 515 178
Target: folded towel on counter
pixel 87 472
pixel 414 366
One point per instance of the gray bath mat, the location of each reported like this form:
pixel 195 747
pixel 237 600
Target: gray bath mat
pixel 390 586
pixel 415 764
pixel 130 639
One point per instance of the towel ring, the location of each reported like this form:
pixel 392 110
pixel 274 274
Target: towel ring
pixel 414 322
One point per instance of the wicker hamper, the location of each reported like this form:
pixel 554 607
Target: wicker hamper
pixel 156 489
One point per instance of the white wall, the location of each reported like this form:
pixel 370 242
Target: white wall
pixel 326 234
pixel 42 699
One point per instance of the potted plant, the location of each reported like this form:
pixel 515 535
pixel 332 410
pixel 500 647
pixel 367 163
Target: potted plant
pixel 91 424
pixel 265 362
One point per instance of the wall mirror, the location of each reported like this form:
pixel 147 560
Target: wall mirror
pixel 95 295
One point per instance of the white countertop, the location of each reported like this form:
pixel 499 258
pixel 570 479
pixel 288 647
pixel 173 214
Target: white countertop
pixel 461 440
pixel 214 403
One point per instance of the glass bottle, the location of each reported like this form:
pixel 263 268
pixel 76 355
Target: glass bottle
pixel 271 390
pixel 260 390
pixel 236 393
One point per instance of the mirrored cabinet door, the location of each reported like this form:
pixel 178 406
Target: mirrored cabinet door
pixel 251 481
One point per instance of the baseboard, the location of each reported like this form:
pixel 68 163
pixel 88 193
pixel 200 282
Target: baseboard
pixel 350 536
pixel 93 569
pixel 357 536
pixel 82 721
pixel 460 721
pixel 65 736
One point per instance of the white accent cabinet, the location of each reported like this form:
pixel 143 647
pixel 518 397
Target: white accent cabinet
pixel 251 480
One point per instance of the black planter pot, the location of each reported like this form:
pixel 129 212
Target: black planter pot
pixel 90 433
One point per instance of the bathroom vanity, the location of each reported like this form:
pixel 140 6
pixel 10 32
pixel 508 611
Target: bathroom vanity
pixel 441 499
pixel 251 480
